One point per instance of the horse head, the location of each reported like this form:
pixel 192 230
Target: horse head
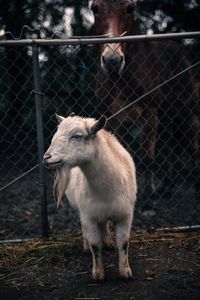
pixel 113 18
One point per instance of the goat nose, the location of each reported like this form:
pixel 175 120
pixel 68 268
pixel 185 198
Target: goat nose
pixel 46 156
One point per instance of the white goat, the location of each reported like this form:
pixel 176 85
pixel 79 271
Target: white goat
pixel 98 177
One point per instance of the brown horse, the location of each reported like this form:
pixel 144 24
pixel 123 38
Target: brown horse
pixel 127 71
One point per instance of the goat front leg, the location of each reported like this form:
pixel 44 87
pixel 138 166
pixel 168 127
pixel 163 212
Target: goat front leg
pixel 93 235
pixel 97 268
pixel 122 231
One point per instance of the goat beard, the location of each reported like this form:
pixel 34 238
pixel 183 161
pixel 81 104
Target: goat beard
pixel 60 184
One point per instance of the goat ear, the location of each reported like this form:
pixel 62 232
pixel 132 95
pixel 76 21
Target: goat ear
pixel 59 118
pixel 98 125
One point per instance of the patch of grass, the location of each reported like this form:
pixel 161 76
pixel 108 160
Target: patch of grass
pixel 12 255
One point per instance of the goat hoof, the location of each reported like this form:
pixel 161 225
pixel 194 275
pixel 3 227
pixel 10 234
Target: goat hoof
pixel 98 277
pixel 98 280
pixel 126 274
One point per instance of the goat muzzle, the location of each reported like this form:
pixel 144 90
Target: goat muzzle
pixel 49 163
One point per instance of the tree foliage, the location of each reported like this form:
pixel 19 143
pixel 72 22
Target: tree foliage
pixel 168 15
pixel 160 16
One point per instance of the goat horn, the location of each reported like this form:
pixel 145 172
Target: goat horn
pixel 72 114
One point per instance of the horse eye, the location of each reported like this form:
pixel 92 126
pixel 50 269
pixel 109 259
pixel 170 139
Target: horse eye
pixel 95 8
pixel 76 137
pixel 130 8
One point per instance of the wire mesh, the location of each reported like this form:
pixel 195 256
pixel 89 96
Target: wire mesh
pixel 73 80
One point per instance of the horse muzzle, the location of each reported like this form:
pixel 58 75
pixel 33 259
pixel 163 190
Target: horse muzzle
pixel 112 62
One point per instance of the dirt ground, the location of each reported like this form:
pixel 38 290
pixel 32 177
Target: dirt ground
pixel 166 266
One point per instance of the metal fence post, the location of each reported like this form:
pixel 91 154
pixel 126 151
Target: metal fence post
pixel 40 139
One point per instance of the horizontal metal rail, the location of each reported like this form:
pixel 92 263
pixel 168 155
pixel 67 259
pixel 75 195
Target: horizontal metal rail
pixel 98 40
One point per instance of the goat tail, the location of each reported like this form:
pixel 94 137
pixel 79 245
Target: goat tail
pixel 60 185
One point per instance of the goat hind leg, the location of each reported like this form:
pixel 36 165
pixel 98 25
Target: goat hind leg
pixel 108 242
pixel 86 246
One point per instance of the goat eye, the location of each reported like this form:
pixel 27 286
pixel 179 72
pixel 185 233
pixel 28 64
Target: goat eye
pixel 76 137
pixel 95 8
pixel 130 8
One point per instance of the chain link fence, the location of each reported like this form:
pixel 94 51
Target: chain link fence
pixel 63 77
